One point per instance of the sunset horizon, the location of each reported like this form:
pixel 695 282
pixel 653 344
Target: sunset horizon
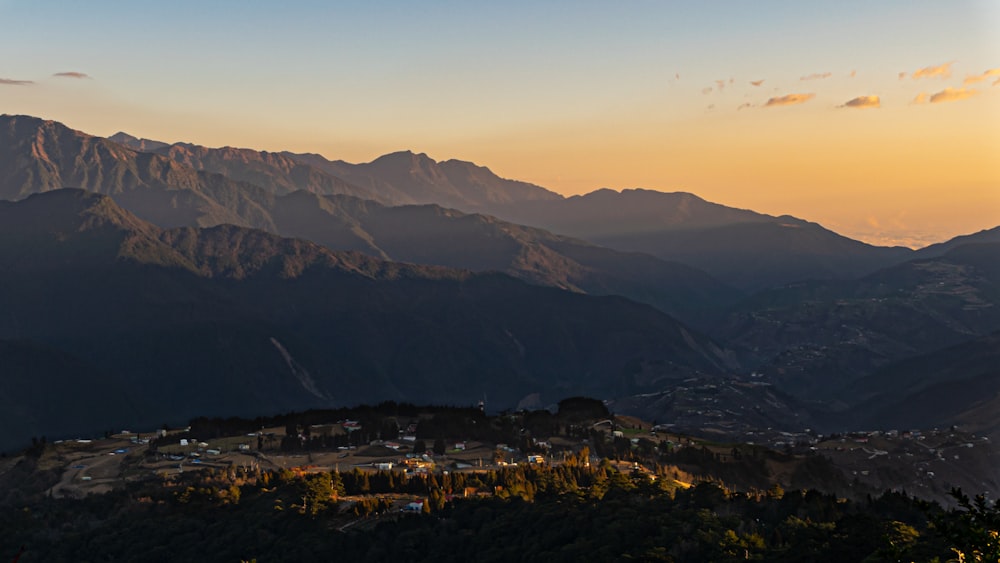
pixel 877 122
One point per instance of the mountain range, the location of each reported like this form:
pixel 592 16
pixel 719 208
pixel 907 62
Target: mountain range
pixel 173 323
pixel 741 248
pixel 235 280
pixel 816 338
pixel 37 155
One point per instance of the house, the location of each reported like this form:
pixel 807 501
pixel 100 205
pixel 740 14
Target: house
pixel 536 459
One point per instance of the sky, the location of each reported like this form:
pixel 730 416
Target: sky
pixel 879 120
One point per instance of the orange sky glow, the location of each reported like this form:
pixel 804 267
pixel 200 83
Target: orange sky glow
pixel 892 137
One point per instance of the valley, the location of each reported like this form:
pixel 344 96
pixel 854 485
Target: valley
pixel 146 284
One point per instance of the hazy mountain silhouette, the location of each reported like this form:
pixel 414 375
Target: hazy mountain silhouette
pixel 987 235
pixel 740 247
pixel 232 320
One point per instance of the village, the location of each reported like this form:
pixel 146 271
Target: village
pixel 927 463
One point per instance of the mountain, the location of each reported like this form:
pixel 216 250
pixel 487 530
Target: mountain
pixel 228 320
pixel 277 173
pixel 430 234
pixel 987 235
pixel 959 385
pixel 743 248
pixel 410 178
pixel 813 339
pixel 400 178
pixel 39 156
pixel 182 185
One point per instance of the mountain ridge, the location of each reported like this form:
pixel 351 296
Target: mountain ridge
pixel 210 317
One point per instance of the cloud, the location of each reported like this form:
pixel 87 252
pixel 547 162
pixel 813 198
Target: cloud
pixel 854 73
pixel 71 75
pixel 980 77
pixel 706 90
pixel 944 71
pixel 721 84
pixel 744 105
pixel 953 95
pixel 902 75
pixel 817 76
pixel 789 100
pixel 946 95
pixel 863 102
pixel 756 82
pixel 12 82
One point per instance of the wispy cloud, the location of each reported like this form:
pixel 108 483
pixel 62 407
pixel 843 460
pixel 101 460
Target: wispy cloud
pixel 902 75
pixel 946 95
pixel 953 95
pixel 12 82
pixel 756 82
pixel 972 79
pixel 817 76
pixel 744 106
pixel 707 90
pixel 721 84
pixel 71 75
pixel 789 100
pixel 943 71
pixel 854 73
pixel 863 102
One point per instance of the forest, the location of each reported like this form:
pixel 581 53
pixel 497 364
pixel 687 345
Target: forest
pixel 575 511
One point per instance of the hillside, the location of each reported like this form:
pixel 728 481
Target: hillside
pixel 229 320
pixel 959 385
pixel 814 338
pixel 430 234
